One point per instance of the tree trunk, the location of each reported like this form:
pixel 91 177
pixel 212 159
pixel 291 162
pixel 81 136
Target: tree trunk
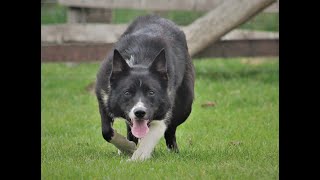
pixel 219 21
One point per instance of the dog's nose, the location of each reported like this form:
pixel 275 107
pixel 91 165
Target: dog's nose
pixel 139 113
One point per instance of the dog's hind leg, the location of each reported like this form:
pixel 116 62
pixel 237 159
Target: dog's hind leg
pixel 170 136
pixel 182 110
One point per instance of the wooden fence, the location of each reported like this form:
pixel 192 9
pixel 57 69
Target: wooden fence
pixel 82 40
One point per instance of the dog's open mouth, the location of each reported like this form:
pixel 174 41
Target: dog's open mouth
pixel 139 127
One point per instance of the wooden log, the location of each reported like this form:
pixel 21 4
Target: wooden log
pixel 123 144
pixel 273 8
pixel 219 21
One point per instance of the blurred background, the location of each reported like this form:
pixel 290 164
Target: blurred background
pixel 85 30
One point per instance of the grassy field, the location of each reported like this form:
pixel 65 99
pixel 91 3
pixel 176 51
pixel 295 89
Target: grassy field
pixel 55 14
pixel 235 139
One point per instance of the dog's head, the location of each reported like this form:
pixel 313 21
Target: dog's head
pixel 138 92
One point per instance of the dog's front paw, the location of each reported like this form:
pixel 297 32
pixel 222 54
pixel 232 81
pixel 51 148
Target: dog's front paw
pixel 107 134
pixel 139 155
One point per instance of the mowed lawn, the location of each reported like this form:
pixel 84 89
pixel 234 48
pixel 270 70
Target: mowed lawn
pixel 237 138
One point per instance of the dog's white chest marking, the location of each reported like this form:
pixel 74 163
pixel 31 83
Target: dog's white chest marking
pixel 147 144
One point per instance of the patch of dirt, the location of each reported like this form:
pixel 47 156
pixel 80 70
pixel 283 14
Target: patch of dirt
pixel 90 88
pixel 235 143
pixel 254 61
pixel 71 64
pixel 190 141
pixel 208 104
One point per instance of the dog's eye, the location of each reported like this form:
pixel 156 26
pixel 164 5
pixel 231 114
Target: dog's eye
pixel 127 93
pixel 150 93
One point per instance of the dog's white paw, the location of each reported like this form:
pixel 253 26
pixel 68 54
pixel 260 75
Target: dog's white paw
pixel 139 155
pixel 119 152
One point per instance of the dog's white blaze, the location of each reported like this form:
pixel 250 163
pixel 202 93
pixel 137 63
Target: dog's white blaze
pixel 104 96
pixel 148 143
pixel 138 105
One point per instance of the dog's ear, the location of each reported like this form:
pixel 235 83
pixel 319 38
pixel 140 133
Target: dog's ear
pixel 118 63
pixel 119 66
pixel 159 64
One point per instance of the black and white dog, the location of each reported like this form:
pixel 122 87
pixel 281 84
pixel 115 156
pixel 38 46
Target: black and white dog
pixel 148 80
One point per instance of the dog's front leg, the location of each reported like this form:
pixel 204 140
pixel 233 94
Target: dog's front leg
pixel 106 123
pixel 147 143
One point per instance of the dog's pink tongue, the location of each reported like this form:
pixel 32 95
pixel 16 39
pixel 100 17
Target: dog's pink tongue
pixel 140 128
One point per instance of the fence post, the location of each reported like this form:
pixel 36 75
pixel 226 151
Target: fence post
pixel 87 15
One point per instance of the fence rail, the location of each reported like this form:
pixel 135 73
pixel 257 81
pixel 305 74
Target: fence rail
pixel 109 33
pixel 90 42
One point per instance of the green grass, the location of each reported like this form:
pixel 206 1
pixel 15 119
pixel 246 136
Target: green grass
pixel 263 22
pixel 121 16
pixel 55 14
pixel 246 113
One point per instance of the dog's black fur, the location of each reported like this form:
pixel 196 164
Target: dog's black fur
pixel 150 61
